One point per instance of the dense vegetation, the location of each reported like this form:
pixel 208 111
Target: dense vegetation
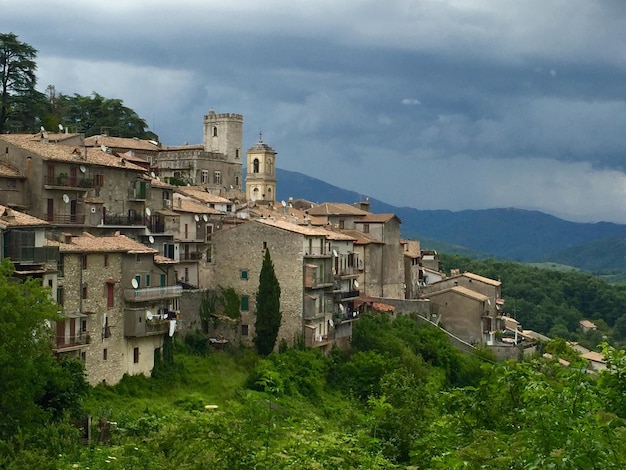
pixel 25 109
pixel 552 302
pixel 402 397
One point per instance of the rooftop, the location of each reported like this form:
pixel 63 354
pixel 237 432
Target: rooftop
pixel 12 218
pixel 91 244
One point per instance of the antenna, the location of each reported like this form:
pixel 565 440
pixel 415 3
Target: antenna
pixel 356 283
pixel 66 198
pixel 196 218
pixel 103 148
pixel 205 217
pixel 83 169
pixel 60 127
pixel 42 129
pixel 134 283
pixel 331 323
pixel 152 174
pixel 148 212
pixel 151 239
pixel 335 254
pixel 172 327
pixel 149 315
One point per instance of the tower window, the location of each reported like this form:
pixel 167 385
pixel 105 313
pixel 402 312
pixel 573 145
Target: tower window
pixel 205 176
pixel 217 177
pixel 214 131
pixel 255 165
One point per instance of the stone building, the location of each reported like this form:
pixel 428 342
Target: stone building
pixel 77 188
pixel 303 263
pixel 119 300
pixel 216 164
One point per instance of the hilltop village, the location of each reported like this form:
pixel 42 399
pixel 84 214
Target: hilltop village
pixel 128 234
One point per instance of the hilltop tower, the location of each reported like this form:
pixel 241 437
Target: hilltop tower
pixel 223 135
pixel 261 174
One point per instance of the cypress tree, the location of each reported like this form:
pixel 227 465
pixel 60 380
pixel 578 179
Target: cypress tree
pixel 268 316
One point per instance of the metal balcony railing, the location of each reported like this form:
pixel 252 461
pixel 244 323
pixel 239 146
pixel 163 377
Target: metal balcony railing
pixel 152 293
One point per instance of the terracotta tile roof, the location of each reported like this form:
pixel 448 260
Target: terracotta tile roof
pixel 476 277
pixel 184 147
pixel 190 205
pixel 594 356
pixel 464 291
pixel 160 259
pixel 309 230
pixel 336 208
pixel 158 183
pixel 377 218
pixel 122 143
pixel 7 171
pixel 88 243
pixel 361 238
pixel 12 218
pixel 289 214
pixel 587 324
pixel 65 153
pixel 201 194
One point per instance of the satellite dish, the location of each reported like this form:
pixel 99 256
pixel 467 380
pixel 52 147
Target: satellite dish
pixel 152 174
pixel 83 169
pixel 197 218
pixel 356 283
pixel 342 308
pixel 158 179
pixel 66 198
pixel 283 203
pixel 42 129
pixel 61 127
pixel 151 239
pixel 103 148
pixel 164 316
pixel 335 253
pixel 205 218
pixel 148 212
pixel 149 315
pixel 331 323
pixel 172 327
pixel 231 186
pixel 134 283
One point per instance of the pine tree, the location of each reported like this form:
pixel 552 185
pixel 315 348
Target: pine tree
pixel 268 315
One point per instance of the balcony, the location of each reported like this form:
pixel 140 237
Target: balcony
pixel 85 181
pixel 318 282
pixel 66 219
pixel 152 293
pixel 347 272
pixel 71 343
pixel 353 294
pixel 317 253
pixel 138 192
pixel 38 255
pixel 136 324
pixel 125 220
pixel 191 256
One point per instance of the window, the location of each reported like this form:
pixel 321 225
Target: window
pixel 236 153
pixel 244 303
pixel 366 228
pixel 209 232
pixel 60 295
pixel 209 254
pixel 98 180
pixel 138 279
pixel 106 260
pixel 217 177
pixel 105 354
pixel 136 355
pixel 244 330
pixel 205 176
pixel 110 295
pixel 162 281
pixel 342 224
pixel 84 292
pixel 255 166
pixel 244 274
pixel 147 280
pixel 264 246
pixel 186 275
pixel 83 326
pixel 214 131
pixel 83 260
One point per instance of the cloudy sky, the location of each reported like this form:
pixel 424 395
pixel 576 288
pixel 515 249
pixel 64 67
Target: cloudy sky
pixel 433 104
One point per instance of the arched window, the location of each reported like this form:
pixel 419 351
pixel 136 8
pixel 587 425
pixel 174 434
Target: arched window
pixel 255 165
pixel 255 194
pixel 214 131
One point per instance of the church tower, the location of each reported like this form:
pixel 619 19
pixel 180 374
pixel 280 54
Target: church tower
pixel 261 174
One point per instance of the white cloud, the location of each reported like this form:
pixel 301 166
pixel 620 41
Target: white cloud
pixel 411 101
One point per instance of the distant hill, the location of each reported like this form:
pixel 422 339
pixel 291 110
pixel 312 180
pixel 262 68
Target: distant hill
pixel 511 234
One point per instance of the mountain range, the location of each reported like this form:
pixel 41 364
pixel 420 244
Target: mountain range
pixel 507 233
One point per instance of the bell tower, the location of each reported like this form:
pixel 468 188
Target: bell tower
pixel 261 173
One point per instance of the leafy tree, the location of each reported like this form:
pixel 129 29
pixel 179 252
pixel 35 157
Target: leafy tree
pixel 17 77
pixel 96 114
pixel 268 315
pixel 34 387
